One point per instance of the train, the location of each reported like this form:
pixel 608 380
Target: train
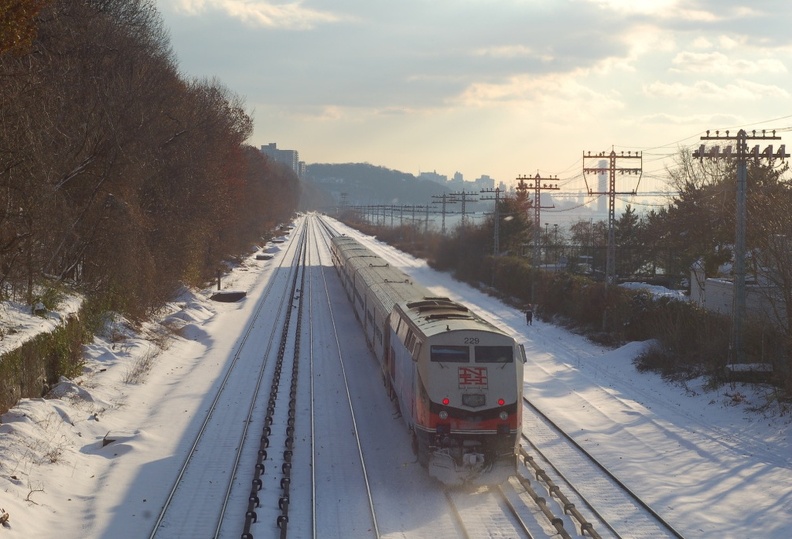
pixel 455 378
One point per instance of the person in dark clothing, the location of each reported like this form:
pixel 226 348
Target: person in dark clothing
pixel 529 315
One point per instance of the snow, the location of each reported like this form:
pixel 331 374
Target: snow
pixel 72 465
pixel 657 291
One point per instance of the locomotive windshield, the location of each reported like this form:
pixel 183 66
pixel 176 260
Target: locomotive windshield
pixel 494 354
pixel 449 353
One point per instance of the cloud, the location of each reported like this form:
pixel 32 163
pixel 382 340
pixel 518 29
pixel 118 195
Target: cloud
pixel 564 93
pixel 740 90
pixel 289 15
pixel 512 51
pixel 659 9
pixel 639 41
pixel 717 62
pixel 662 118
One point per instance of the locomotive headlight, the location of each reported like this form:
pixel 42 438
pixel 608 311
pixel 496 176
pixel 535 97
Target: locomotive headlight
pixel 504 415
pixel 443 415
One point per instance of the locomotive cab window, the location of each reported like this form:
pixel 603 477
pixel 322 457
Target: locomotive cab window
pixel 494 354
pixel 409 341
pixel 449 353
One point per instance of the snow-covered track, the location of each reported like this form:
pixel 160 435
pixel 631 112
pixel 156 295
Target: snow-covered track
pixel 205 489
pixel 280 418
pixel 580 484
pixel 321 232
pixel 487 512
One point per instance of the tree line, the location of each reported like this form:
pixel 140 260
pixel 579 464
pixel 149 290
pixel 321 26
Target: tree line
pixel 117 173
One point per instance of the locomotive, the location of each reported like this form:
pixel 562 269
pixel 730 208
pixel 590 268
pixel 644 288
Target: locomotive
pixel 456 379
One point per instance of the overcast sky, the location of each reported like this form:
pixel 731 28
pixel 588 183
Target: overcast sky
pixel 496 87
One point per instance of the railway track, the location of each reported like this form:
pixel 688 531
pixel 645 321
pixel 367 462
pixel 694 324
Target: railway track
pixel 563 466
pixel 321 299
pixel 205 485
pixel 282 433
pixel 275 456
pixel 258 463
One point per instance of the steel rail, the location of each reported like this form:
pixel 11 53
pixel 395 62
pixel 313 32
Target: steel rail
pixel 375 526
pixel 630 494
pixel 209 413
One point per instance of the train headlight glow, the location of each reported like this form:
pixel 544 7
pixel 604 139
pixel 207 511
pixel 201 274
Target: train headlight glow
pixel 443 415
pixel 504 416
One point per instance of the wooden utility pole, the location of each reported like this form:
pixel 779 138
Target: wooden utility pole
pixel 612 168
pixel 740 156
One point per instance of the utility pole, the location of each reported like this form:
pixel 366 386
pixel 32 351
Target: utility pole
pixel 612 169
pixel 496 198
pixel 444 199
pixel 538 187
pixel 464 194
pixel 741 156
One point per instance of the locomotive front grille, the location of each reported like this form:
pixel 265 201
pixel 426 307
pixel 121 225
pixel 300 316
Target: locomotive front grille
pixel 474 400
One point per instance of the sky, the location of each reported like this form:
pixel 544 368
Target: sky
pixel 716 463
pixel 493 87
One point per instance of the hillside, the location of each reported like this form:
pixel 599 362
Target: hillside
pixel 370 184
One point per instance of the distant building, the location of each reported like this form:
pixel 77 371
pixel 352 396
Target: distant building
pixel 290 158
pixel 433 177
pixel 484 182
pixel 458 182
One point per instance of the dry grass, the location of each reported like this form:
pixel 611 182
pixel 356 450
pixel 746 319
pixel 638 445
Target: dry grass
pixel 141 367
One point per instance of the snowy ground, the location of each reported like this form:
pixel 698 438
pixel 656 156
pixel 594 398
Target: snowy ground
pixel 704 460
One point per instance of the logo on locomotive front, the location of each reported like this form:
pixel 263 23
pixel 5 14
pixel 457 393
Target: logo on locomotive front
pixel 473 377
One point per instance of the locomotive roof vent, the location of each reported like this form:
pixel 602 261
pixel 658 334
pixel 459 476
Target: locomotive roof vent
pixel 449 316
pixel 436 304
